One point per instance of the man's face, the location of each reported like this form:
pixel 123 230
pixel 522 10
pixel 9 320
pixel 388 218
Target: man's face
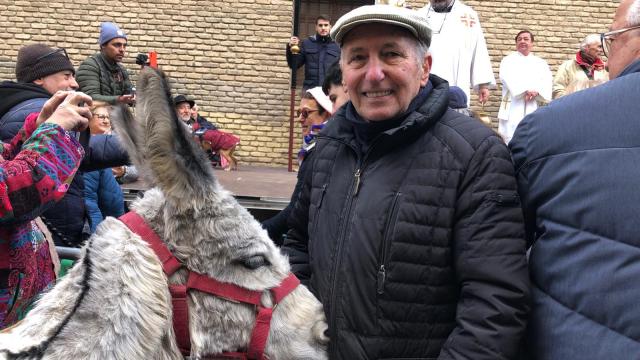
pixel 194 112
pixel 62 80
pixel 524 44
pixel 338 96
pixel 625 47
pixel 594 50
pixel 440 5
pixel 381 71
pixel 183 110
pixel 323 27
pixel 114 50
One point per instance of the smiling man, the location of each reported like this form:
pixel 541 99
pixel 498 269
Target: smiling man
pixel 526 83
pixel 409 229
pixel 316 54
pixel 101 76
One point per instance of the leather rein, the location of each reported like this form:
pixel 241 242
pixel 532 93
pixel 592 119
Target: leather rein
pixel 200 282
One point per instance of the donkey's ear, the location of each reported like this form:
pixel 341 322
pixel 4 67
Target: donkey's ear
pixel 178 165
pixel 131 135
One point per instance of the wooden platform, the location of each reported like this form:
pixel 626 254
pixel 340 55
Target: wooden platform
pixel 255 187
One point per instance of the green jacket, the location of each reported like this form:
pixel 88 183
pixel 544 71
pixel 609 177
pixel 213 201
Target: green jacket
pixel 102 79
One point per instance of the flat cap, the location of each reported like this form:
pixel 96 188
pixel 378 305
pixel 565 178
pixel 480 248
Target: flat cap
pixel 409 19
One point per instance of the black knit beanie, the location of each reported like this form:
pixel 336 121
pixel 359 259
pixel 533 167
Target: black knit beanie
pixel 38 60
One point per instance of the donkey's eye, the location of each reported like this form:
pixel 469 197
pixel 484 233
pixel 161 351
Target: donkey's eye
pixel 254 262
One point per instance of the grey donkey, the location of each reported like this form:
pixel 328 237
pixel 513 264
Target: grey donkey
pixel 114 303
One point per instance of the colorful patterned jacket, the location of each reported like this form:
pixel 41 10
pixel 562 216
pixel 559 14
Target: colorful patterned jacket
pixel 35 171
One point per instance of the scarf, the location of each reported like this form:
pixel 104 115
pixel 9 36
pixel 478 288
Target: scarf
pixel 309 141
pixel 589 65
pixel 366 131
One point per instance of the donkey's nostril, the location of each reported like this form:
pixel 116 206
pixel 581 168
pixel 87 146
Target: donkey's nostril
pixel 326 333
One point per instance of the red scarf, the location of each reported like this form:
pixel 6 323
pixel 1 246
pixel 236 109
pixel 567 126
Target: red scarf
pixel 595 65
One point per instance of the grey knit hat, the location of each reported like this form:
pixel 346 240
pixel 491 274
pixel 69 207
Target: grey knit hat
pixel 409 19
pixel 38 60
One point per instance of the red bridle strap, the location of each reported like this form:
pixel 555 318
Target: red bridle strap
pixel 200 282
pixel 137 224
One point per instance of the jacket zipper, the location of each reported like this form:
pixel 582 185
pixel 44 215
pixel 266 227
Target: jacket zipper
pixel 315 219
pixel 336 260
pixel 382 272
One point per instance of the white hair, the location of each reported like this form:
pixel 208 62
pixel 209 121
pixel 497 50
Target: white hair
pixel 633 14
pixel 590 39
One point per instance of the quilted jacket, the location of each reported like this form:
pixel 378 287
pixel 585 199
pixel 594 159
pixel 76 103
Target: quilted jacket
pixel 415 248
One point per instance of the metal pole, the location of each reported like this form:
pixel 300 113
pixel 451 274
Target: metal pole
pixel 292 104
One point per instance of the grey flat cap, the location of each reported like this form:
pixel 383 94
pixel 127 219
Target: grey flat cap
pixel 387 14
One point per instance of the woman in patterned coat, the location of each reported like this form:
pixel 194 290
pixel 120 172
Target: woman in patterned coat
pixel 35 171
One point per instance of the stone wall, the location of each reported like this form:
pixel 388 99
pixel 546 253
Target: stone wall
pixel 229 56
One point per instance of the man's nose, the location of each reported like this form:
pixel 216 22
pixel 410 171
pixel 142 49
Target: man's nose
pixel 73 84
pixel 375 70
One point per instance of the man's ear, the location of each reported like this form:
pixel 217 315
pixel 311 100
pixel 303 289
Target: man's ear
pixel 39 81
pixel 426 69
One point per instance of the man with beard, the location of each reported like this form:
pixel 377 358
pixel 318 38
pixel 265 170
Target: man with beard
pixel 101 76
pixel 587 65
pixel 408 226
pixel 317 53
pixel 577 169
pixel 459 49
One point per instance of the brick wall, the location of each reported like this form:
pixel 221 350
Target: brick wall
pixel 229 56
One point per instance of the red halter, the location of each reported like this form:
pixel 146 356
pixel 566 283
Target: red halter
pixel 212 286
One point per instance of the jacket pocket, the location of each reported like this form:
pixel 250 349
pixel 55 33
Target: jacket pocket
pixel 314 222
pixel 385 247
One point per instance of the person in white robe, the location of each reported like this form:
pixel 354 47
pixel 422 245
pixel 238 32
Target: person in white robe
pixel 458 46
pixel 526 84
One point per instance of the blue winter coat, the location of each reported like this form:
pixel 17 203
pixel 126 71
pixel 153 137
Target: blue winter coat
pixel 102 196
pixel 578 167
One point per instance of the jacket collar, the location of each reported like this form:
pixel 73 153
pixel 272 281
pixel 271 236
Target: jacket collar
pixel 634 67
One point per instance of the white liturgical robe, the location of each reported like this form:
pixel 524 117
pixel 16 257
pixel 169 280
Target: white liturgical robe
pixel 519 74
pixel 458 47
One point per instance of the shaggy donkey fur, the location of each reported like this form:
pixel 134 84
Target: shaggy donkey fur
pixel 115 304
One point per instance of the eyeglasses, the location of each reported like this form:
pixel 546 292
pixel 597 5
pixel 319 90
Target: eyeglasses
pixel 607 38
pixel 305 113
pixel 60 50
pixel 101 116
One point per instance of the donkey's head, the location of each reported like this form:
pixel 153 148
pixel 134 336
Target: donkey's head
pixel 211 234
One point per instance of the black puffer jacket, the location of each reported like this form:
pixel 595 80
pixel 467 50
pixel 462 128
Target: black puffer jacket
pixel 102 79
pixel 416 248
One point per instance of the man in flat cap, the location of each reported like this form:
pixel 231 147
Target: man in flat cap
pixel 102 75
pixel 409 230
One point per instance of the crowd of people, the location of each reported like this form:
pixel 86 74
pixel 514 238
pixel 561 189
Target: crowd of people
pixel 423 232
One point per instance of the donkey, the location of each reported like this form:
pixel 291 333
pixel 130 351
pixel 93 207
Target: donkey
pixel 115 303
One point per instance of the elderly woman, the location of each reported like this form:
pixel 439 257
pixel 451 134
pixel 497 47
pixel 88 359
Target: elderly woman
pixel 408 227
pixel 313 113
pixel 102 194
pixel 35 171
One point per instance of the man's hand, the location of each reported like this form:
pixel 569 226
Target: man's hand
pixel 530 95
pixel 294 41
pixel 64 109
pixel 483 93
pixel 126 99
